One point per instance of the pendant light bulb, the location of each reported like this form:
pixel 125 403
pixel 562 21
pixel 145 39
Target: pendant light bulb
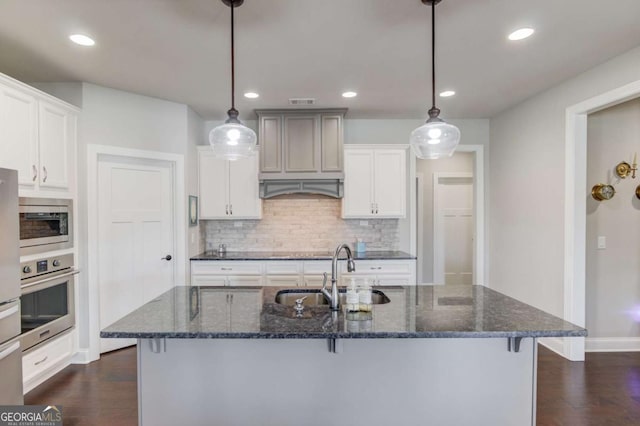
pixel 233 140
pixel 436 138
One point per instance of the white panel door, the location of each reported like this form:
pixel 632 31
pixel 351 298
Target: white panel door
pixel 244 197
pixel 54 133
pixel 358 183
pixel 18 135
pixel 453 230
pixel 136 238
pixel 390 183
pixel 213 180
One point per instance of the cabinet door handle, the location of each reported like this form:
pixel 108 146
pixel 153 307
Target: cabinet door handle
pixel 232 298
pixel 41 361
pixel 44 170
pixel 227 297
pixel 376 208
pixel 227 269
pixel 35 172
pixel 372 210
pixel 226 209
pixel 230 209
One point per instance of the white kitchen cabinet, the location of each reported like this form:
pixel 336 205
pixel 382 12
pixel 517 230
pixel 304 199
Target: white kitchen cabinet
pixel 374 182
pixel 46 359
pixel 228 189
pixel 226 274
pixel 382 272
pixel 37 137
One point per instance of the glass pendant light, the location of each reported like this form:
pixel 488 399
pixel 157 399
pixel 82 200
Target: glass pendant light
pixel 436 138
pixel 233 140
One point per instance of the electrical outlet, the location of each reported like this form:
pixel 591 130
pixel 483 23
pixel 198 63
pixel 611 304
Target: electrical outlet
pixel 602 243
pixel 237 224
pixel 364 223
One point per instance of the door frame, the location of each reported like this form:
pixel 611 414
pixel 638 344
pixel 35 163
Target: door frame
pixel 575 212
pixel 436 223
pixel 480 260
pixel 94 155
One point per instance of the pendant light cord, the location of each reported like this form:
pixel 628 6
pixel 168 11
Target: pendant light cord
pixel 433 54
pixel 233 72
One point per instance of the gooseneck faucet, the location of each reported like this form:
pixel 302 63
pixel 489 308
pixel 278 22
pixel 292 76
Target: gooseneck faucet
pixel 334 298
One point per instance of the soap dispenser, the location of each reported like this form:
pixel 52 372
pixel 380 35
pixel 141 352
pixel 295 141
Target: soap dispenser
pixel 353 302
pixel 365 297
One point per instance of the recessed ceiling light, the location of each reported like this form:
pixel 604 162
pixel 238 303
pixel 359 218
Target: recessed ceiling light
pixel 521 33
pixel 82 40
pixel 447 93
pixel 251 95
pixel 349 94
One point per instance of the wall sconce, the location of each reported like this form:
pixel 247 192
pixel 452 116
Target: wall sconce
pixel 623 169
pixel 638 191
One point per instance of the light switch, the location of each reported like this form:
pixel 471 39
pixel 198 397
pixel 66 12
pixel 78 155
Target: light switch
pixel 602 243
pixel 193 237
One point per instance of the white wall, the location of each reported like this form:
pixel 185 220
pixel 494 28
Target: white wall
pixel 526 225
pixel 613 274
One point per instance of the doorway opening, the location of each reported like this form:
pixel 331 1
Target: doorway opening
pixel 449 213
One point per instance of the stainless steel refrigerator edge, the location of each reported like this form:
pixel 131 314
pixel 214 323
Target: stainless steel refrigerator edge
pixel 10 353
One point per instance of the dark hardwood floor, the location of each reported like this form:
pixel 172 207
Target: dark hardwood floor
pixel 604 390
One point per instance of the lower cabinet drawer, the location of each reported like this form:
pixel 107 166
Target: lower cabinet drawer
pixel 39 360
pixel 203 267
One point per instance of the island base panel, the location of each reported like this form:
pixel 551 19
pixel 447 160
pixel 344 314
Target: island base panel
pixel 372 381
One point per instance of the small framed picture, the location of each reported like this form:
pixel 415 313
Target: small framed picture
pixel 193 210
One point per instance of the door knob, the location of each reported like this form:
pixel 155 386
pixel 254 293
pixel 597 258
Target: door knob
pixel 167 257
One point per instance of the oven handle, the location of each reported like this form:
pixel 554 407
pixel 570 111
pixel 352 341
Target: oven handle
pixel 47 280
pixel 44 209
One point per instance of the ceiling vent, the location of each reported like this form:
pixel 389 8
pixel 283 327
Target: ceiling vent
pixel 302 101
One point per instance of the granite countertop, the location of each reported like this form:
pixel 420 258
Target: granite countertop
pixel 300 255
pixel 413 312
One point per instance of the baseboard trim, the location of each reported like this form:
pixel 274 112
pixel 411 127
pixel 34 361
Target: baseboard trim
pixel 82 357
pixel 554 344
pixel 612 344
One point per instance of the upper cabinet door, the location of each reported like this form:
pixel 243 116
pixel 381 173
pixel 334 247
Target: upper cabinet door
pixel 332 148
pixel 358 183
pixel 18 135
pixel 301 143
pixel 244 197
pixel 271 143
pixel 213 180
pixel 390 183
pixel 55 130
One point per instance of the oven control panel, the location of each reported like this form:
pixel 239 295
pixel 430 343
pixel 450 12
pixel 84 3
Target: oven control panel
pixel 47 265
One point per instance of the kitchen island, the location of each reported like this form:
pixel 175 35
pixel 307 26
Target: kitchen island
pixel 442 355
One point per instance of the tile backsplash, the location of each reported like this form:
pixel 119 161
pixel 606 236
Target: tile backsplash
pixel 300 223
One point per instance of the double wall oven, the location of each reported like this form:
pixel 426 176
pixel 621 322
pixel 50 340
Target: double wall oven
pixel 47 299
pixel 47 283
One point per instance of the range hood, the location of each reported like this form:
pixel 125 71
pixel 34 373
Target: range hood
pixel 301 152
pixel 329 187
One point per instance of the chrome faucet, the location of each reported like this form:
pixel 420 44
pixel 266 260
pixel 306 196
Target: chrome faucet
pixel 334 298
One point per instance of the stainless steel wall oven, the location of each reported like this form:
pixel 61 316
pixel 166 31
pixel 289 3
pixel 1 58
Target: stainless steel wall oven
pixel 47 300
pixel 45 225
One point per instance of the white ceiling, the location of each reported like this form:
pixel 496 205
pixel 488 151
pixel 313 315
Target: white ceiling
pixel 179 50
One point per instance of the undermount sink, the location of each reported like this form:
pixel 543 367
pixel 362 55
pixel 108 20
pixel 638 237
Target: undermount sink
pixel 315 298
